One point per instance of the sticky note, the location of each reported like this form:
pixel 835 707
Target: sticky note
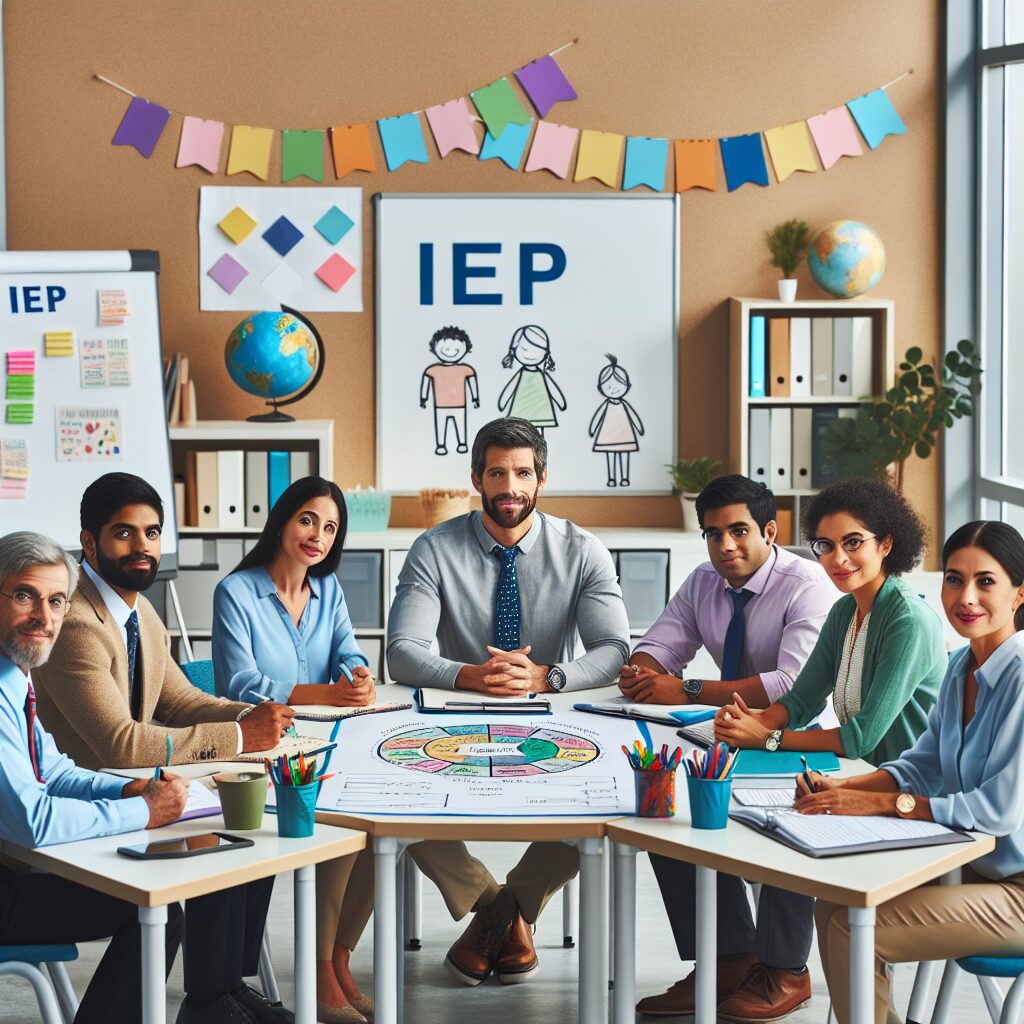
pixel 509 148
pixel 142 125
pixel 237 225
pixel 19 412
pixel 452 125
pixel 545 83
pixel 834 135
pixel 113 306
pixel 335 272
pixel 352 149
pixel 302 155
pixel 334 225
pixel 282 236
pixel 21 385
pixel 58 343
pixel 22 360
pixel 200 143
pixel 790 148
pixel 228 273
pixel 743 158
pixel 499 106
pixel 695 164
pixel 645 163
pixel 250 150
pixel 402 139
pixel 876 117
pixel 552 149
pixel 282 281
pixel 599 157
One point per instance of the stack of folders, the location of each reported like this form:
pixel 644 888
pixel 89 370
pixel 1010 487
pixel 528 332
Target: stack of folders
pixel 229 490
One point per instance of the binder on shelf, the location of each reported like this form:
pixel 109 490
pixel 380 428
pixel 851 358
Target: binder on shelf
pixel 256 489
pixel 179 504
pixel 757 357
pixel 802 434
pixel 842 356
pixel 800 357
pixel 861 358
pixel 759 449
pixel 230 489
pixel 277 475
pixel 301 464
pixel 778 357
pixel 780 471
pixel 784 526
pixel 823 469
pixel 201 488
pixel 821 356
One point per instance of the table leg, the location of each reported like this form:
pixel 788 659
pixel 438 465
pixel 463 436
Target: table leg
pixel 862 964
pixel 624 935
pixel 305 937
pixel 153 922
pixel 705 995
pixel 385 924
pixel 400 881
pixel 593 960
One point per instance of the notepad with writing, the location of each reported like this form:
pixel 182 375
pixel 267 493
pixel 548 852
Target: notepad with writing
pixel 202 802
pixel 832 835
pixel 662 714
pixel 330 713
pixel 455 702
pixel 769 764
pixel 288 746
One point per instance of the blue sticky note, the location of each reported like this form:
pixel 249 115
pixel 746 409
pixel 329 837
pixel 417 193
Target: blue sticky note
pixel 282 236
pixel 743 158
pixel 402 138
pixel 509 146
pixel 876 117
pixel 334 225
pixel 645 163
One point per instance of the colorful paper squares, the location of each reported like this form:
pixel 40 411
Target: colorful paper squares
pixel 334 225
pixel 599 157
pixel 141 126
pixel 282 236
pixel 552 149
pixel 876 117
pixel 743 158
pixel 509 147
pixel 302 155
pixel 228 273
pixel 402 139
pixel 58 343
pixel 19 412
pixel 22 360
pixel 282 281
pixel 790 148
pixel 545 83
pixel 237 225
pixel 335 272
pixel 113 306
pixel 452 125
pixel 352 149
pixel 200 143
pixel 13 467
pixel 695 164
pixel 499 106
pixel 21 385
pixel 645 163
pixel 835 135
pixel 250 151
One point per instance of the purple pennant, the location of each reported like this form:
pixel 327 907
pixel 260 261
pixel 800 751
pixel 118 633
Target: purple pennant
pixel 141 126
pixel 545 83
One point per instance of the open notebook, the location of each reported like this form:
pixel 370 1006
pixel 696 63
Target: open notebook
pixel 453 702
pixel 330 713
pixel 663 714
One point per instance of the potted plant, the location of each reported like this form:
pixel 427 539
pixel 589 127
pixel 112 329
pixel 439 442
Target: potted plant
pixel 689 478
pixel 908 418
pixel 787 242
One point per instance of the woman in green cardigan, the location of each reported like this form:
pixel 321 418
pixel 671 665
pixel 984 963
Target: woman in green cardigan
pixel 880 655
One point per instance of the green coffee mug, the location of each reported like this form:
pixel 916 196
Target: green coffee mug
pixel 243 796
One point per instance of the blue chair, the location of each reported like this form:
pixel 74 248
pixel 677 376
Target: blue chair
pixel 1002 1009
pixel 200 675
pixel 54 994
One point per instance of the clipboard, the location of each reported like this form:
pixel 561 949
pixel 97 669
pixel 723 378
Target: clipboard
pixel 462 702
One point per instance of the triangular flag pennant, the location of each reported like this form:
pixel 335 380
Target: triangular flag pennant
pixel 509 147
pixel 452 125
pixel 545 83
pixel 402 138
pixel 790 148
pixel 200 143
pixel 500 106
pixel 876 117
pixel 142 125
pixel 835 135
pixel 645 163
pixel 743 158
pixel 250 150
pixel 302 155
pixel 352 149
pixel 552 148
pixel 695 164
pixel 599 156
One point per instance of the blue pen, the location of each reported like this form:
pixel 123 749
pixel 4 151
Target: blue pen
pixel 347 673
pixel 320 750
pixel 807 774
pixel 170 751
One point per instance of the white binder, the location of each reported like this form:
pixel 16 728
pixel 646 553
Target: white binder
pixel 802 435
pixel 861 356
pixel 821 356
pixel 230 490
pixel 760 446
pixel 780 463
pixel 257 494
pixel 301 465
pixel 842 356
pixel 800 357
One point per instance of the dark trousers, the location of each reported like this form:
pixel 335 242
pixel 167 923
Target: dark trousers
pixel 785 920
pixel 45 909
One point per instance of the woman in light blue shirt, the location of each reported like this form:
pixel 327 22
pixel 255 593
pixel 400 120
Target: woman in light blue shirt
pixel 965 771
pixel 281 631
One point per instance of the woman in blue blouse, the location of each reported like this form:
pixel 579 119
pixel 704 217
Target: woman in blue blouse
pixel 281 631
pixel 966 771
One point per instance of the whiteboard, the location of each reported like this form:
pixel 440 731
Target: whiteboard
pixel 596 274
pixel 46 292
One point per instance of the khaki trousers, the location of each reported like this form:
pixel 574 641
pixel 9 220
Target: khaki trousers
pixel 466 884
pixel 933 922
pixel 344 900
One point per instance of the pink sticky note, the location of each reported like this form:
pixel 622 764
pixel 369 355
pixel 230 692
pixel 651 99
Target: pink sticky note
pixel 335 272
pixel 834 135
pixel 552 148
pixel 228 273
pixel 452 126
pixel 200 143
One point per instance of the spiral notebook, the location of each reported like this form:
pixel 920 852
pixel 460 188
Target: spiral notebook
pixel 330 713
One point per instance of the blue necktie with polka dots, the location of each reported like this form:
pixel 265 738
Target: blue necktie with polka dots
pixel 506 630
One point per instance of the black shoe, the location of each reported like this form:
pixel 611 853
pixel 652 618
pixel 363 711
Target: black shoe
pixel 260 1008
pixel 224 1010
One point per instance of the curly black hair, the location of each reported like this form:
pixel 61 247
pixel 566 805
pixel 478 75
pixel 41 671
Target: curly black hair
pixel 884 511
pixel 449 332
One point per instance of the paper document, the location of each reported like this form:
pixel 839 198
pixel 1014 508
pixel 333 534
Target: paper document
pixel 764 797
pixel 198 770
pixel 202 802
pixel 665 714
pixel 290 746
pixel 330 713
pixel 435 700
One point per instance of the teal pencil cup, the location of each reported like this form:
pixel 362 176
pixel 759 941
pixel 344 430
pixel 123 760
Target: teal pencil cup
pixel 709 801
pixel 296 806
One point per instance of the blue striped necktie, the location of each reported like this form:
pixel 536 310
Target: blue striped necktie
pixel 506 605
pixel 131 628
pixel 732 650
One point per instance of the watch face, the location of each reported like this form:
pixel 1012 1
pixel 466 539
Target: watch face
pixel 772 742
pixel 905 803
pixel 556 678
pixel 693 687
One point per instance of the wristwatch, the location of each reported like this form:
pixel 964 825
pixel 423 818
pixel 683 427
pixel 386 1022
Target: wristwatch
pixel 692 688
pixel 905 804
pixel 773 740
pixel 556 678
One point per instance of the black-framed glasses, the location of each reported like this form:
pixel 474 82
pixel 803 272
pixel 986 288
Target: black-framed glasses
pixel 25 598
pixel 822 546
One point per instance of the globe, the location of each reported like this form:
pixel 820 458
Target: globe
pixel 846 258
pixel 276 355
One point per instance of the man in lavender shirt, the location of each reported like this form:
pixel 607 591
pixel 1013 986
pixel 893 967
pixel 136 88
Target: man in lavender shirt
pixel 757 609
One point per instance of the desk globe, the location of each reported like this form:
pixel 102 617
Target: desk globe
pixel 276 355
pixel 846 258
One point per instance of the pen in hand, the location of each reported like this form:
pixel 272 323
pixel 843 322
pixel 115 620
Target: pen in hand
pixel 347 673
pixel 170 751
pixel 811 788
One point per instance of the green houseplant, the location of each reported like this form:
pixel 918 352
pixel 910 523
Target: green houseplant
pixel 787 242
pixel 906 420
pixel 689 478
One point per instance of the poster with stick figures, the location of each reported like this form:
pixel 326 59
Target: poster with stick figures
pixel 616 426
pixel 532 393
pixel 447 381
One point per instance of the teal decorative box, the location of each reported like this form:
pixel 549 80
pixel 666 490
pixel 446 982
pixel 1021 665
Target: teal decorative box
pixel 367 510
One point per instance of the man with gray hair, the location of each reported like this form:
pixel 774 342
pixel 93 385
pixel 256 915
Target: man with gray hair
pixel 45 799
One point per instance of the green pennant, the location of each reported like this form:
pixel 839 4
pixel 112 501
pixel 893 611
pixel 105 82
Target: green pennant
pixel 499 106
pixel 302 155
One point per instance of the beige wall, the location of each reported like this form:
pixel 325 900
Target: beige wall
pixel 682 68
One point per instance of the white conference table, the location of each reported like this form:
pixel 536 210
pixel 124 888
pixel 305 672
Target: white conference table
pixel 152 885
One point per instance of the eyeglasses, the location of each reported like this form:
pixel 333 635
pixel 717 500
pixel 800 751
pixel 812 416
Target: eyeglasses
pixel 25 599
pixel 822 546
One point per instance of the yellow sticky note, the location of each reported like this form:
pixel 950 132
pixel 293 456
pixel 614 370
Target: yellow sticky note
pixel 250 150
pixel 237 225
pixel 58 343
pixel 600 157
pixel 791 149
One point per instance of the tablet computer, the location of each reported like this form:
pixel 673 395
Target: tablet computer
pixel 190 846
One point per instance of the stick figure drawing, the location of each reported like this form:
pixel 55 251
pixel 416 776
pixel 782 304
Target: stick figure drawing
pixel 532 393
pixel 448 379
pixel 615 425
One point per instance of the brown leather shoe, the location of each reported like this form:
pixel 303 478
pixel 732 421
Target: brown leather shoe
pixel 517 959
pixel 471 958
pixel 679 998
pixel 766 994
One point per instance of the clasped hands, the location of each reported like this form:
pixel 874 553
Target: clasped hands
pixel 643 685
pixel 505 674
pixel 361 692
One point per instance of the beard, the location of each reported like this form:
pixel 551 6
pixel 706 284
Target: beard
pixel 114 571
pixel 23 653
pixel 508 520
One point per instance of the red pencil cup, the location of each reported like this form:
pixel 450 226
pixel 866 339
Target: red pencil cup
pixel 655 792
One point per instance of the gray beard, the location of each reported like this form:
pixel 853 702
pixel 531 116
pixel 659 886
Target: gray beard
pixel 24 655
